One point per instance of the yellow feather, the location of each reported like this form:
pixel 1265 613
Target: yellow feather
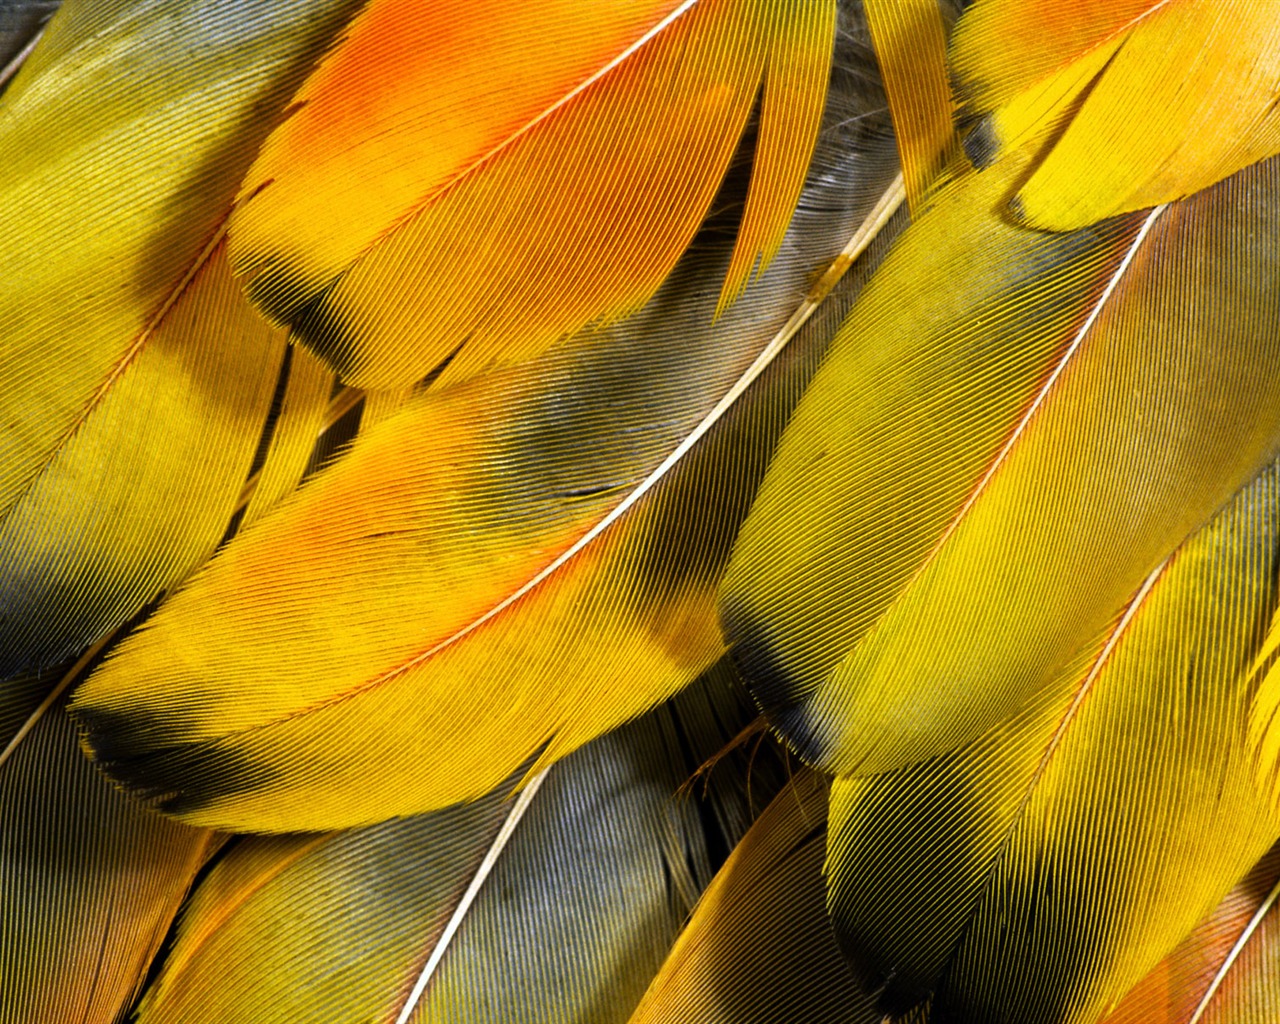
pixel 1224 971
pixel 503 568
pixel 1157 99
pixel 1081 839
pixel 136 378
pixel 910 43
pixel 988 469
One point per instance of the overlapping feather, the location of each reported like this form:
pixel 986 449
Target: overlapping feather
pixel 468 143
pixel 137 379
pixel 89 879
pixel 978 583
pixel 1226 971
pixel 989 469
pixel 503 568
pixel 559 907
pixel 1059 857
pixel 1152 100
pixel 759 946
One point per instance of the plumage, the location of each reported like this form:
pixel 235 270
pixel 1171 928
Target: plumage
pixel 136 376
pixel 502 569
pixel 90 881
pixel 1226 971
pixel 1040 871
pixel 759 946
pixel 413 416
pixel 463 143
pixel 1152 100
pixel 572 917
pixel 1061 421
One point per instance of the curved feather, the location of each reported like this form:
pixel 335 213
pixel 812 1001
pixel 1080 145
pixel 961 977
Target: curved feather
pixel 1227 971
pixel 1041 871
pixel 136 379
pixel 465 143
pixel 1155 99
pixel 759 946
pixel 910 39
pixel 560 912
pixel 91 882
pixel 504 568
pixel 143 490
pixel 96 879
pixel 989 468
pixel 304 409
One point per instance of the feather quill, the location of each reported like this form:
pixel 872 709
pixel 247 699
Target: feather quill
pixel 1039 872
pixel 136 377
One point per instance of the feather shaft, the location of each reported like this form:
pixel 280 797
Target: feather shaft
pixel 509 825
pixel 1245 936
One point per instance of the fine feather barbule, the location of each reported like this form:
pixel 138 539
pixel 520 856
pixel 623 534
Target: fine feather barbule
pixel 136 377
pixel 995 534
pixel 466 142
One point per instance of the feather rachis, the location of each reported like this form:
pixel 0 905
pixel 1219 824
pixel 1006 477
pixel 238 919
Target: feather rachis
pixel 1092 883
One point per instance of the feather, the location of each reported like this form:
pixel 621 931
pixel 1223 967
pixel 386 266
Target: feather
pixel 759 946
pixel 1038 873
pixel 136 377
pixel 504 568
pixel 142 491
pixel 559 908
pixel 467 142
pixel 507 355
pixel 303 411
pixel 1264 712
pixel 91 881
pixel 910 43
pixel 988 470
pixel 1227 971
pixel 274 927
pixel 1154 99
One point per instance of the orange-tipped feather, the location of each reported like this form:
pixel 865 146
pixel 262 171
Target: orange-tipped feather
pixel 477 180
